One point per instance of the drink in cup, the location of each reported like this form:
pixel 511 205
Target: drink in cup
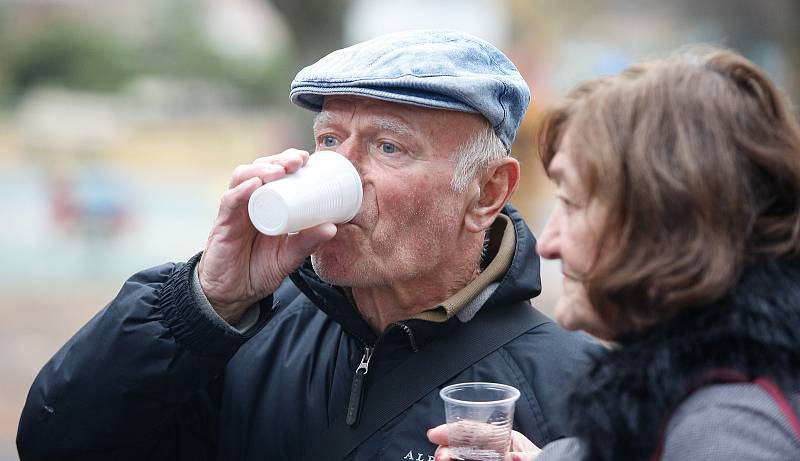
pixel 479 419
pixel 326 189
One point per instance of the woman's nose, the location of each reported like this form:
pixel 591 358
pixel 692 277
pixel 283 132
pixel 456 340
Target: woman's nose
pixel 548 245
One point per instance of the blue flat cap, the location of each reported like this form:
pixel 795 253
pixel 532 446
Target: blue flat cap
pixel 440 69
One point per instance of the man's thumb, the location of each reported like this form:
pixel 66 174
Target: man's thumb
pixel 304 243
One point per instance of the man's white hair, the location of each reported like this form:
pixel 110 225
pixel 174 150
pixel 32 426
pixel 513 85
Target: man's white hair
pixel 475 155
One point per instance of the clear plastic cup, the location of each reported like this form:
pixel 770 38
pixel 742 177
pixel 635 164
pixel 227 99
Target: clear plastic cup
pixel 326 189
pixel 479 419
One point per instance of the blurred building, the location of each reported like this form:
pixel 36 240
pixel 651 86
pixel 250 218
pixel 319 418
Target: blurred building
pixel 237 28
pixel 486 19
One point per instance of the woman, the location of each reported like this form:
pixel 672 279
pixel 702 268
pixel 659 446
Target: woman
pixel 678 231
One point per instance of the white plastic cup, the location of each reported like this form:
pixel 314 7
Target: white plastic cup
pixel 326 189
pixel 479 419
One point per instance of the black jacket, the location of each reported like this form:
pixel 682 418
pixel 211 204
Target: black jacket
pixel 150 377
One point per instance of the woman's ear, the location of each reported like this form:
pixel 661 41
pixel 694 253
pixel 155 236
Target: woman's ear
pixel 496 185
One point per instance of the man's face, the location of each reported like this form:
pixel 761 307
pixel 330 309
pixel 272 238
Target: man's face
pixel 411 222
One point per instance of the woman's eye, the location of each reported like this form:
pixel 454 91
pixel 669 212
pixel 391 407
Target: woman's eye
pixel 328 141
pixel 567 204
pixel 388 148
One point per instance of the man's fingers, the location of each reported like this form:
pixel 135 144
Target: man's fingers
pixel 521 456
pixel 438 435
pixel 291 159
pixel 238 196
pixel 265 171
pixel 521 443
pixel 270 168
pixel 522 449
pixel 442 454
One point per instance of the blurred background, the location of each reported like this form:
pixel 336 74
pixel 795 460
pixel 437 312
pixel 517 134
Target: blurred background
pixel 121 121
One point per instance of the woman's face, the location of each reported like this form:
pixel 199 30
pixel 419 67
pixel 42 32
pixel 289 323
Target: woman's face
pixel 571 236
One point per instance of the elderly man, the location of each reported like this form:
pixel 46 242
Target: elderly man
pixel 255 350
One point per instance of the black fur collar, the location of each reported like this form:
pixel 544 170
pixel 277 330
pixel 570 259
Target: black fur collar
pixel 619 406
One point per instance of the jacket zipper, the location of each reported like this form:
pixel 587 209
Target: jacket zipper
pixel 357 388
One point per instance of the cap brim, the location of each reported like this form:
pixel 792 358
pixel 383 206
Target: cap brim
pixel 313 97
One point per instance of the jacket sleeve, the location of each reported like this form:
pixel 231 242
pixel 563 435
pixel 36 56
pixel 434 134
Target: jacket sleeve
pixel 141 380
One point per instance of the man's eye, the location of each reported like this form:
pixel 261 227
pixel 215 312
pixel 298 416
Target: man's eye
pixel 328 141
pixel 388 148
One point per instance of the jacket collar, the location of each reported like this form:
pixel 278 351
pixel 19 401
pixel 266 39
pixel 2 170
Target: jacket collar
pixel 520 282
pixel 498 251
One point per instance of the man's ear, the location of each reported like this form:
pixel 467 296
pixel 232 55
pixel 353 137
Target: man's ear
pixel 496 185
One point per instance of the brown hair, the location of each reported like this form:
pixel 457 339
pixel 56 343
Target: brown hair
pixel 696 159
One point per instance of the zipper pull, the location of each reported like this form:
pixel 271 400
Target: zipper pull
pixel 357 389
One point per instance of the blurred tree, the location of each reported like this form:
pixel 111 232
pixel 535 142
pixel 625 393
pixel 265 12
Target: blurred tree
pixel 70 55
pixel 5 45
pixel 317 26
pixel 178 46
pixel 72 52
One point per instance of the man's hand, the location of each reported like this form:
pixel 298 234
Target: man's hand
pixel 521 449
pixel 240 265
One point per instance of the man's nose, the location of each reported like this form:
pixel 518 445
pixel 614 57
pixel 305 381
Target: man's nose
pixel 353 151
pixel 548 245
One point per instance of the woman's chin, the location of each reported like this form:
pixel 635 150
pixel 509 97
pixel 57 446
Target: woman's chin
pixel 575 313
pixel 565 317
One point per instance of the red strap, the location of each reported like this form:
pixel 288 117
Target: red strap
pixel 780 399
pixel 728 375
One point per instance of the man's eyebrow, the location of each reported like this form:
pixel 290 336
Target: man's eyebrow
pixel 383 123
pixel 321 119
pixel 392 125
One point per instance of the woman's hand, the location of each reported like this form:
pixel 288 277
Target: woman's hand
pixel 521 449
